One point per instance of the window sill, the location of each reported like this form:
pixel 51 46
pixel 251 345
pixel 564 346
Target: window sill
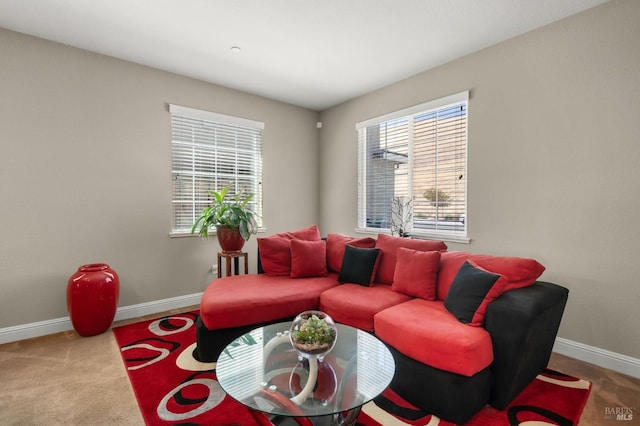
pixel 212 233
pixel 446 237
pixel 182 234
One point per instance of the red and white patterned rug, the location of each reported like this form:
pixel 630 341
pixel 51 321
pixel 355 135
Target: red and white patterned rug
pixel 172 388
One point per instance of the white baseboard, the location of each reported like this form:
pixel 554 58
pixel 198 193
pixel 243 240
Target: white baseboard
pixel 600 357
pixel 57 325
pixel 591 354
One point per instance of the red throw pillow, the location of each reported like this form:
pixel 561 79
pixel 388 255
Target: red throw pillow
pixel 275 250
pixel 308 259
pixel 335 248
pixel 388 246
pixel 416 273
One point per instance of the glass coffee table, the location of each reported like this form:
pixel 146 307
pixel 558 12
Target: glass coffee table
pixel 262 371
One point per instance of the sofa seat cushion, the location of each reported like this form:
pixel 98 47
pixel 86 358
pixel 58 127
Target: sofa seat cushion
pixel 355 305
pixel 256 298
pixel 427 332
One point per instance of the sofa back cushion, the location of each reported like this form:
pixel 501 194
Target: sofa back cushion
pixel 388 246
pixel 336 244
pixel 275 250
pixel 517 271
pixel 275 255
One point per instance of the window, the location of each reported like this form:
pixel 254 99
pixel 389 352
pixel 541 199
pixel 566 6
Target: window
pixel 208 152
pixel 412 170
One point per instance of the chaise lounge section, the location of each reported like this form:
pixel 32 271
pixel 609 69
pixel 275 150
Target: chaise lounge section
pixel 465 330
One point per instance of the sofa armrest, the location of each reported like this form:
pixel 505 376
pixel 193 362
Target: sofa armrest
pixel 523 324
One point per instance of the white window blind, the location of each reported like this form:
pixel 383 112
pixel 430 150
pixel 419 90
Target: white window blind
pixel 415 160
pixel 210 151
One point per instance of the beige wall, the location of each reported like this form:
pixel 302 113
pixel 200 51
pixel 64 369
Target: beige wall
pixel 85 175
pixel 554 155
pixel 553 169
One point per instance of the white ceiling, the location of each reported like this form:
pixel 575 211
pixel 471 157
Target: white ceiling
pixel 315 54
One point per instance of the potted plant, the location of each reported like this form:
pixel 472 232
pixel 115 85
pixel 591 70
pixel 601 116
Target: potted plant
pixel 313 334
pixel 233 220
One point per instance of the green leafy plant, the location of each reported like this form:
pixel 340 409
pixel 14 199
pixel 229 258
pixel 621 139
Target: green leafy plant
pixel 233 213
pixel 314 330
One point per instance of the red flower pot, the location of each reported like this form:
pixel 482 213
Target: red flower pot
pixel 230 239
pixel 92 298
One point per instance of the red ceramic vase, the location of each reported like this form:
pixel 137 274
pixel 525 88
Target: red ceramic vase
pixel 230 239
pixel 92 298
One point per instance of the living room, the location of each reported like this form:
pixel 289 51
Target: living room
pixel 552 163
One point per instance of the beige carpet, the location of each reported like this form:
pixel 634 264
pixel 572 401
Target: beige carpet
pixel 65 380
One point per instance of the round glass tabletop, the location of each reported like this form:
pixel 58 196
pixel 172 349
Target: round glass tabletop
pixel 263 371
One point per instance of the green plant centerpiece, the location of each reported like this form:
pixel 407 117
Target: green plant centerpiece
pixel 232 218
pixel 313 334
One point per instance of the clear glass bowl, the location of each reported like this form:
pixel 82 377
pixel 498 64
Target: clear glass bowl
pixel 313 334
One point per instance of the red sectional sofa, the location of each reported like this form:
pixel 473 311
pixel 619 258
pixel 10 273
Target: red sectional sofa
pixel 465 330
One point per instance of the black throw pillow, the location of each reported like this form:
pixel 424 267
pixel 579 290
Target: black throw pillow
pixel 358 265
pixel 468 289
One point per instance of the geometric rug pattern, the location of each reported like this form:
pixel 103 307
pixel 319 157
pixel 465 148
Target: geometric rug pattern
pixel 172 388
